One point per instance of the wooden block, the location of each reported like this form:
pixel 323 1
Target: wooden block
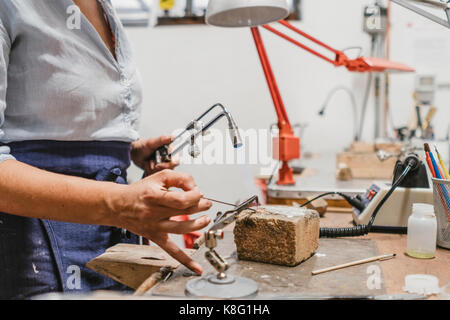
pixel 364 147
pixel 320 205
pixel 370 147
pixel 343 172
pixel 334 203
pixel 367 165
pixel 132 264
pixel 390 147
pixel 277 234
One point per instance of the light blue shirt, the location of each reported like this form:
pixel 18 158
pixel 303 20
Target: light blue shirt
pixel 61 82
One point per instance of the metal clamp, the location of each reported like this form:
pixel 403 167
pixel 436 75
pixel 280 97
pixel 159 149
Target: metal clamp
pixel 216 233
pixel 222 285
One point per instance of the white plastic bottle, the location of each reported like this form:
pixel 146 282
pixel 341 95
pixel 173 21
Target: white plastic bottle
pixel 422 232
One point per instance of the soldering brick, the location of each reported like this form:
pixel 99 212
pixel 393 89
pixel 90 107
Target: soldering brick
pixel 279 235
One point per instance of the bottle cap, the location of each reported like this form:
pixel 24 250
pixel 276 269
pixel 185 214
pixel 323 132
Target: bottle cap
pixel 422 209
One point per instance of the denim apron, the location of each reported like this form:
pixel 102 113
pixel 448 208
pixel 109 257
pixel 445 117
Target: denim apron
pixel 39 256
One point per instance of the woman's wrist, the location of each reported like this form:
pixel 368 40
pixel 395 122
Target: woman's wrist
pixel 114 203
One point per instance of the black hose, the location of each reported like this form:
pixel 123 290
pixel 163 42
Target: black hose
pixel 362 230
pixel 353 201
pixel 319 196
pixel 357 231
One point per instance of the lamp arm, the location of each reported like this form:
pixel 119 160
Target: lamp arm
pixel 360 64
pixel 284 124
pixel 340 57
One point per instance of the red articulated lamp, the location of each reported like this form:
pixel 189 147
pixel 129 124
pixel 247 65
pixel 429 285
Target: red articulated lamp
pixel 255 13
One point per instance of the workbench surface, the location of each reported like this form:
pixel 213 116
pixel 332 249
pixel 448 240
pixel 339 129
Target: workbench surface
pixel 395 270
pixel 278 281
pixel 318 176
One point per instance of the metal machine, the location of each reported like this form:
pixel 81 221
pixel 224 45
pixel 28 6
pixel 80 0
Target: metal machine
pixel 392 206
pixel 395 212
pixel 222 285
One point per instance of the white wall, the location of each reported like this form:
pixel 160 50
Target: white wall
pixel 187 68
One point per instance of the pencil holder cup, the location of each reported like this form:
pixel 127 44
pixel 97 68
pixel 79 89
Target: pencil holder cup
pixel 441 195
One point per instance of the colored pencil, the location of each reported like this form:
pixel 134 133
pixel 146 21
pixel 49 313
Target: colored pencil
pixel 430 164
pixel 444 168
pixel 436 167
pixel 445 199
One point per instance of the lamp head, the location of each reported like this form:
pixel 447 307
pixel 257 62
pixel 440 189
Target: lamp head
pixel 245 13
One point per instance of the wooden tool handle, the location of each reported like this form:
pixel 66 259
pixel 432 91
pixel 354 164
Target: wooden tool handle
pixel 152 281
pixel 198 243
pixel 354 263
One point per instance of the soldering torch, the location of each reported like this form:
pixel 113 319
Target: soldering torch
pixel 164 154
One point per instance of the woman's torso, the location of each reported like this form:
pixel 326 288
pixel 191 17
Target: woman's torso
pixel 63 83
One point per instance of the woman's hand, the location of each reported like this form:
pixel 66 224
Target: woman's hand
pixel 143 149
pixel 145 208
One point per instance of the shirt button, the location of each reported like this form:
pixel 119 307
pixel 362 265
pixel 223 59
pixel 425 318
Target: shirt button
pixel 125 82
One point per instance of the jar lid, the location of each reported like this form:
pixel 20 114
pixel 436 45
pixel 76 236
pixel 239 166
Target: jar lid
pixel 421 284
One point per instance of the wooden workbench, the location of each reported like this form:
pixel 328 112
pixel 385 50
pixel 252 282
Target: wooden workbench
pixel 130 263
pixel 350 281
pixel 395 270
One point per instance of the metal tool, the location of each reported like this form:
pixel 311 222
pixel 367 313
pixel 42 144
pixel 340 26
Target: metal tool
pixel 196 128
pixel 201 240
pixel 226 203
pixel 222 285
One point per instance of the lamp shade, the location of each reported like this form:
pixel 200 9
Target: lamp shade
pixel 245 13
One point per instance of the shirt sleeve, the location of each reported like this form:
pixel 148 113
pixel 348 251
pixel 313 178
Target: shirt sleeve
pixel 5 46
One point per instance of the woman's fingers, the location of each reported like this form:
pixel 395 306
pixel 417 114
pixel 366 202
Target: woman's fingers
pixel 160 182
pixel 166 212
pixel 151 167
pixel 183 227
pixel 175 161
pixel 170 178
pixel 173 250
pixel 154 143
pixel 182 200
pixel 202 205
pixel 165 166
